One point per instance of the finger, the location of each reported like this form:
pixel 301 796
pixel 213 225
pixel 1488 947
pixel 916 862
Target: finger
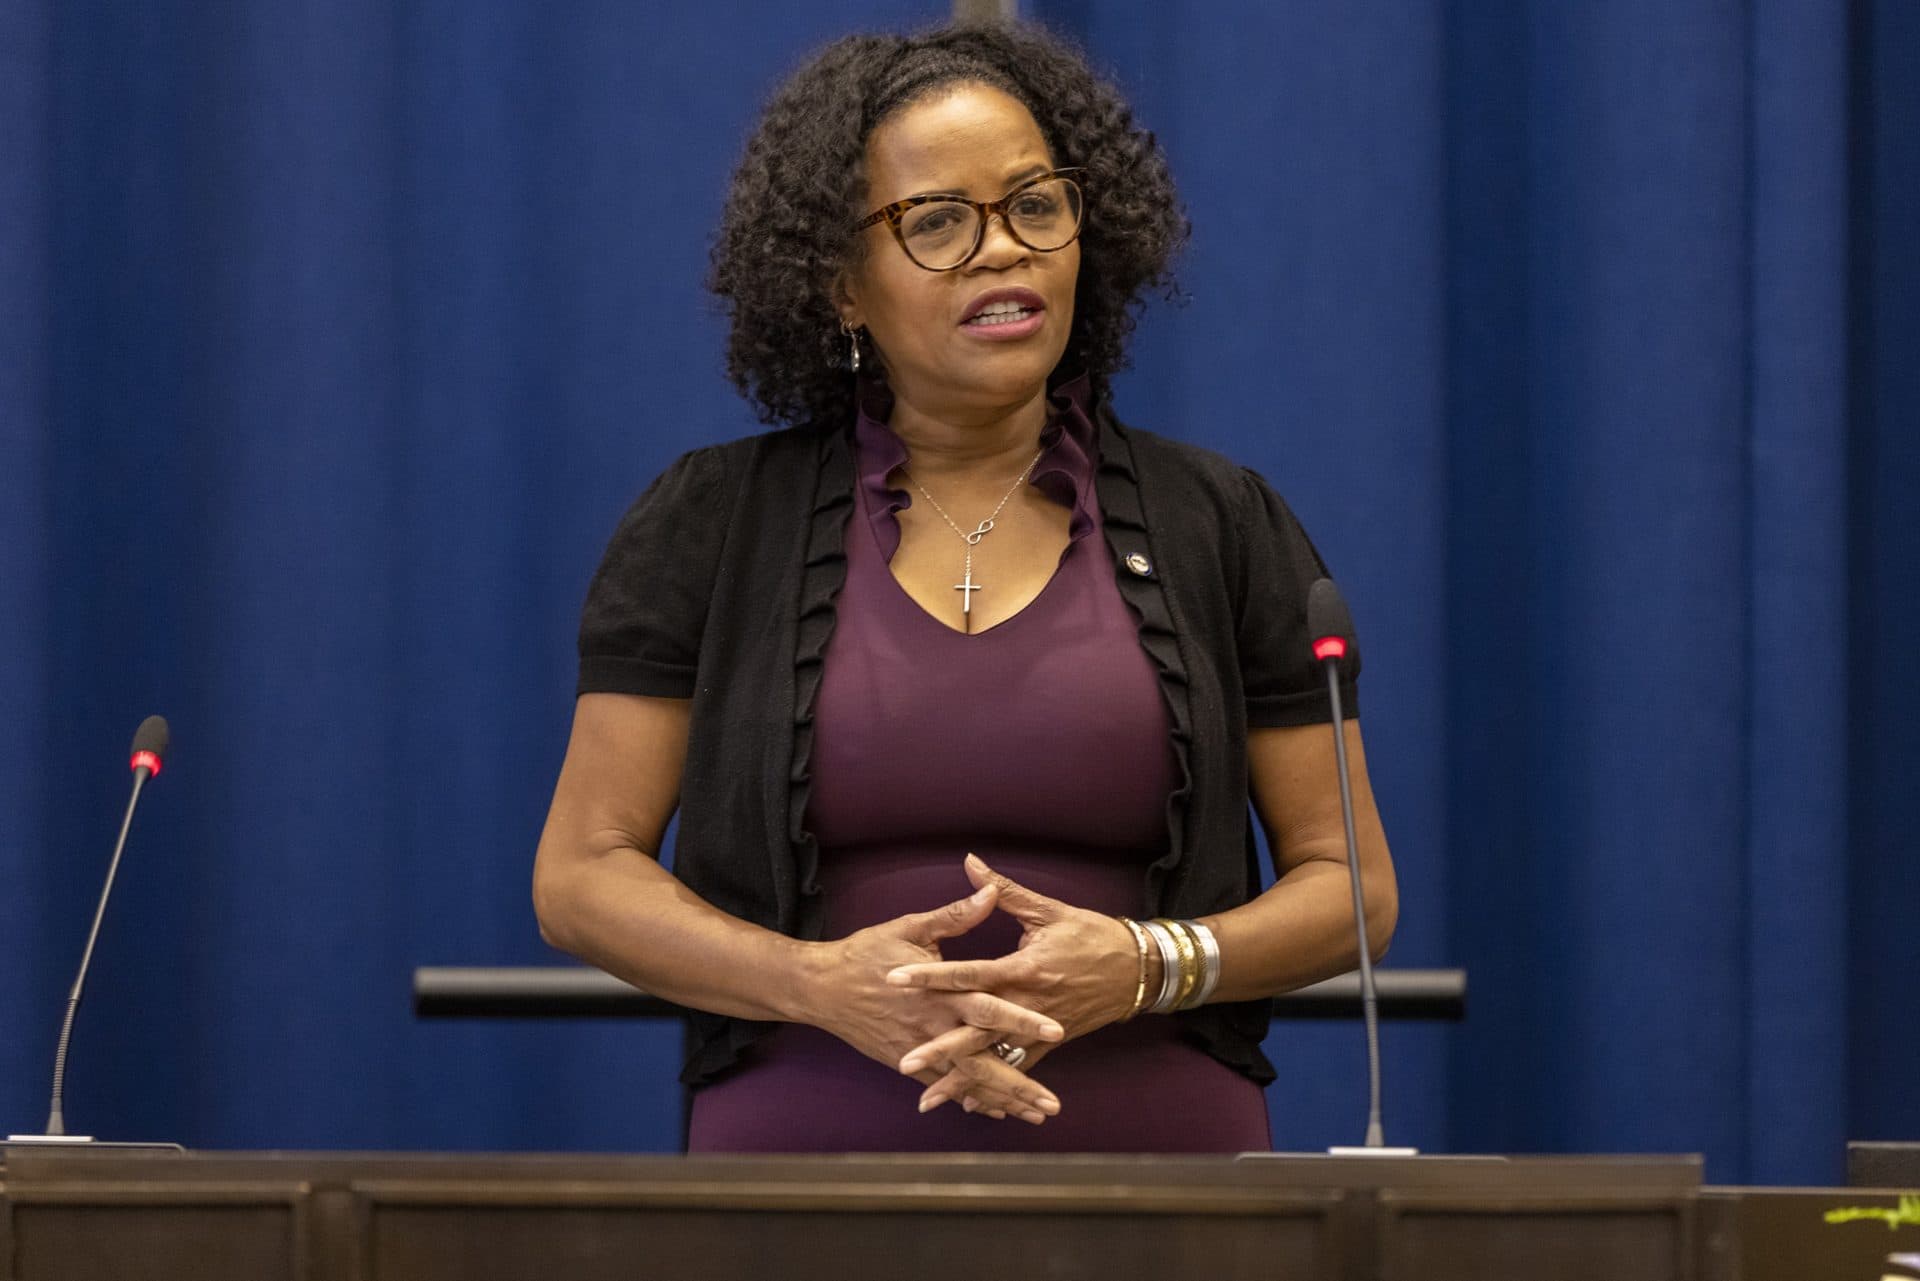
pixel 956 918
pixel 954 976
pixel 950 1085
pixel 1030 907
pixel 1028 1095
pixel 945 1085
pixel 982 1009
pixel 975 1097
pixel 931 1097
pixel 948 1046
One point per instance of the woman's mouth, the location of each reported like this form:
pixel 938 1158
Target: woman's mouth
pixel 1003 313
pixel 1017 314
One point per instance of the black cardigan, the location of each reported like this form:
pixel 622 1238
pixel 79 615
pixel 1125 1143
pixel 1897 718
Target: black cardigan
pixel 719 586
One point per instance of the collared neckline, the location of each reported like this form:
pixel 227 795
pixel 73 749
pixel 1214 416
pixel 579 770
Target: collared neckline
pixel 1069 446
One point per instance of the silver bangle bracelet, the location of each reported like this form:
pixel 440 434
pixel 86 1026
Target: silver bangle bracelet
pixel 1169 968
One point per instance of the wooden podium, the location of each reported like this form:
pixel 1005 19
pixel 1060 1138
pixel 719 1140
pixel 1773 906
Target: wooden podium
pixel 90 1216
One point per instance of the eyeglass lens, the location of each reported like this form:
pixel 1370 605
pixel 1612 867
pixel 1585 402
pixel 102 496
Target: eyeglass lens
pixel 942 233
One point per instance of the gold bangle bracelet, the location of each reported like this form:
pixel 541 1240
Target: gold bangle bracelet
pixel 1189 996
pixel 1189 960
pixel 1209 961
pixel 1140 990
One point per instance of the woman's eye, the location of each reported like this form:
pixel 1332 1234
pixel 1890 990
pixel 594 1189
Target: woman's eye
pixel 944 218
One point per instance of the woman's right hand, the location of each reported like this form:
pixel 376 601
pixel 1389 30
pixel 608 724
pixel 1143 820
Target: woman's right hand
pixel 851 998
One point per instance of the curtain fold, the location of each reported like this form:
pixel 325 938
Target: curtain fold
pixel 1798 531
pixel 29 878
pixel 1884 565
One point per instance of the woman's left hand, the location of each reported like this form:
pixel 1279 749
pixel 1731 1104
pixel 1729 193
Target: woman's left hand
pixel 1079 968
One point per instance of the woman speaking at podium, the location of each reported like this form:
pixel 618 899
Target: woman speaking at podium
pixel 960 685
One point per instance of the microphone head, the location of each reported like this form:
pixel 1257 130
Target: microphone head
pixel 1328 623
pixel 150 744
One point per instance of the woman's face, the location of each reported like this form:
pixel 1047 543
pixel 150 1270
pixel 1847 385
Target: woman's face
pixel 973 141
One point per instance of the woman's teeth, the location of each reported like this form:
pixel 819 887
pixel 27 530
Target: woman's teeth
pixel 1000 313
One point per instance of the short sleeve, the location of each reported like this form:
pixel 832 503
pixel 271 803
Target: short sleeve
pixel 1284 683
pixel 641 626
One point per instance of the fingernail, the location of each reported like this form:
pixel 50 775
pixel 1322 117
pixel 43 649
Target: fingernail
pixel 1032 1118
pixel 1050 1106
pixel 932 1101
pixel 996 1114
pixel 911 1064
pixel 1052 1031
pixel 982 894
pixel 968 1103
pixel 975 859
pixel 899 978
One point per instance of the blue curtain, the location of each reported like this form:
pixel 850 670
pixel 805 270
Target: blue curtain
pixel 334 338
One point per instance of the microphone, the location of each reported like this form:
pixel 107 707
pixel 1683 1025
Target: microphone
pixel 149 751
pixel 1331 628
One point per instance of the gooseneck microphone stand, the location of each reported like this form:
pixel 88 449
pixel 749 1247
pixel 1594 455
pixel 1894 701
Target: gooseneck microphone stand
pixel 149 750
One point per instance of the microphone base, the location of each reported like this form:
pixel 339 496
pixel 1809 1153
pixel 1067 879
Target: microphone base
pixel 1382 1151
pixel 85 1143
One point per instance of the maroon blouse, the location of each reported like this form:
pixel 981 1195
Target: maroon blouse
pixel 1040 744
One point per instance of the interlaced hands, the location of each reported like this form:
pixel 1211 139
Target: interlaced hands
pixel 885 1020
pixel 1078 968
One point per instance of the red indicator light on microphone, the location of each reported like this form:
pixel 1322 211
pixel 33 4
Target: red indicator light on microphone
pixel 149 760
pixel 1329 647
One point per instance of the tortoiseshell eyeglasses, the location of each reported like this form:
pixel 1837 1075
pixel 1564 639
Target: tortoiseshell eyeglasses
pixel 942 233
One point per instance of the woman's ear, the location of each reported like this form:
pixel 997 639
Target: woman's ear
pixel 844 300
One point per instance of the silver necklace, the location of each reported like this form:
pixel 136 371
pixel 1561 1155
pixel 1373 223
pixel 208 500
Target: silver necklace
pixel 966 586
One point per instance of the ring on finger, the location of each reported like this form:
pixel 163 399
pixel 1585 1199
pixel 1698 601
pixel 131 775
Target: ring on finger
pixel 1011 1055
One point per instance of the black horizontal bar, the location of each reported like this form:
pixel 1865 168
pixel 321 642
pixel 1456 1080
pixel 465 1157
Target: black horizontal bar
pixel 572 992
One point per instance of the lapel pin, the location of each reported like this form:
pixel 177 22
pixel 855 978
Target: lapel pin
pixel 1139 564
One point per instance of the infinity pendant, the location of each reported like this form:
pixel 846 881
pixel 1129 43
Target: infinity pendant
pixel 986 527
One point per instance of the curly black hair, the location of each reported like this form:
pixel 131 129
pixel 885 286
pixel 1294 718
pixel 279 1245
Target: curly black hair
pixel 785 234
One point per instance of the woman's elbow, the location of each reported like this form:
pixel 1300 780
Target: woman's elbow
pixel 550 899
pixel 1383 914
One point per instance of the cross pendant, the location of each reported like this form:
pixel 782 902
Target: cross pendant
pixel 967 587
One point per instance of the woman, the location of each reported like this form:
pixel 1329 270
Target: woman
pixel 961 686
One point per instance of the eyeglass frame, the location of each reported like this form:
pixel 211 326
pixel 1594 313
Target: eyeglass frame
pixel 986 209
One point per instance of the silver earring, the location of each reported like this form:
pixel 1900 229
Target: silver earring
pixel 853 342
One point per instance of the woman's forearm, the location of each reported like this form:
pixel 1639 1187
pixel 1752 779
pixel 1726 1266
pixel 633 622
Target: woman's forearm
pixel 1299 931
pixel 616 908
pixel 600 894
